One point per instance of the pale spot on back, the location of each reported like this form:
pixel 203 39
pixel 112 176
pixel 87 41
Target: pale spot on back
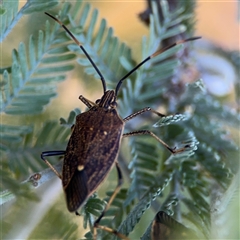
pixel 80 167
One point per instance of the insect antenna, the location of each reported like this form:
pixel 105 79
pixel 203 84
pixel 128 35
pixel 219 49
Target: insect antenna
pixel 149 57
pixel 83 49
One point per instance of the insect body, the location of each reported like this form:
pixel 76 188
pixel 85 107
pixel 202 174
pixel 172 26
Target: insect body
pixel 92 150
pixel 94 144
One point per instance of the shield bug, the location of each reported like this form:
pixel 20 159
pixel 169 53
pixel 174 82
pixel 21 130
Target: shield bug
pixel 94 144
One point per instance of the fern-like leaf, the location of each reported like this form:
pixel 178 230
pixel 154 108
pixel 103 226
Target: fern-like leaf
pixel 23 154
pixel 10 15
pixel 145 202
pixel 102 46
pixel 32 78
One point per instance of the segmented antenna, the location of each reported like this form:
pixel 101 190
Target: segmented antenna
pixel 152 56
pixel 83 49
pixel 133 70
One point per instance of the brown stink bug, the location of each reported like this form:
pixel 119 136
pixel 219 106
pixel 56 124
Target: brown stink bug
pixel 94 144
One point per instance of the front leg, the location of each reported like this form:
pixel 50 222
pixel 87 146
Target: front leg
pixel 52 153
pixel 87 102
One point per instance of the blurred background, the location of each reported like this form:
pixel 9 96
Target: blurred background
pixel 216 21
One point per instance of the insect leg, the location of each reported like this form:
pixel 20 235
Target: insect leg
pixel 87 102
pixel 96 223
pixel 147 109
pixel 52 153
pixel 147 132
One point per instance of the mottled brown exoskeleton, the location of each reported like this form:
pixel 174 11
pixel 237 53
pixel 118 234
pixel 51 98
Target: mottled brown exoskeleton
pixel 94 144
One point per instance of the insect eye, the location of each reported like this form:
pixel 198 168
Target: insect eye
pixel 97 101
pixel 113 105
